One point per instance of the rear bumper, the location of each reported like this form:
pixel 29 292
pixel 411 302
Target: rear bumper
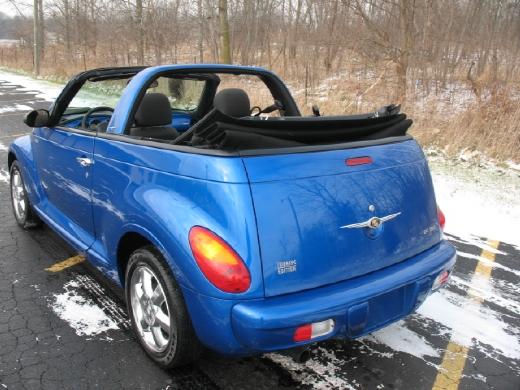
pixel 357 306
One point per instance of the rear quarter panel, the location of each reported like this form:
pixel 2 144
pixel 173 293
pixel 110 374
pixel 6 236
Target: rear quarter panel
pixel 161 194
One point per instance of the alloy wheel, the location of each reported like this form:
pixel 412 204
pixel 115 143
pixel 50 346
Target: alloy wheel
pixel 150 309
pixel 18 195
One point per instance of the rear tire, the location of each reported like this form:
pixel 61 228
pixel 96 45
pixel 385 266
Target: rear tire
pixel 157 310
pixel 23 211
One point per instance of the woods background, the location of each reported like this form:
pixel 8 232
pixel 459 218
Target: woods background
pixel 453 64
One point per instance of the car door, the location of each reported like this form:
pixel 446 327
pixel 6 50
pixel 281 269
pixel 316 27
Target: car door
pixel 64 151
pixel 64 158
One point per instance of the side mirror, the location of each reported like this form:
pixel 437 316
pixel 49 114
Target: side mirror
pixel 37 118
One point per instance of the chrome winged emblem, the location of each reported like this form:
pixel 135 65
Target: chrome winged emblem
pixel 372 223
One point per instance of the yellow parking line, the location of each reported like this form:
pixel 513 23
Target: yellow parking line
pixel 452 366
pixel 66 263
pixel 484 269
pixel 449 375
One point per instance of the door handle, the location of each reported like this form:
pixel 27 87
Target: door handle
pixel 84 161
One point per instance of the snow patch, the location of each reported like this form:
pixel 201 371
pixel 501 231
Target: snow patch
pixel 479 243
pixel 315 373
pixel 4 176
pixel 43 89
pixel 492 264
pixel 513 165
pixel 3 147
pixel 16 107
pixel 469 320
pixel 478 202
pixel 485 290
pixel 399 338
pixel 49 91
pixel 82 314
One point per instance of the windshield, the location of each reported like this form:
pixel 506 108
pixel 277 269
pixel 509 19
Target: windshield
pixel 98 93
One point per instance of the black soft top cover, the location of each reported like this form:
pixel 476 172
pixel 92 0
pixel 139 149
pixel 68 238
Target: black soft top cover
pixel 228 133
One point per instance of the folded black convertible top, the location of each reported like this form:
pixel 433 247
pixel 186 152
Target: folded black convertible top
pixel 219 131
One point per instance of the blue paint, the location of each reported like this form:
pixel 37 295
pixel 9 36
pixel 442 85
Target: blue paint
pixel 271 209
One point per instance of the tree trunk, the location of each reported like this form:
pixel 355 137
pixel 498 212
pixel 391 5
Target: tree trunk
pixel 41 27
pixel 201 30
pixel 406 18
pixel 140 32
pixel 225 45
pixel 36 39
pixel 66 11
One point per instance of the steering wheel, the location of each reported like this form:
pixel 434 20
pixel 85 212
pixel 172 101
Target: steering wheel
pixel 85 120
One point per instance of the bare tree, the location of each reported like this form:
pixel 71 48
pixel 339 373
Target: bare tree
pixel 36 38
pixel 140 31
pixel 225 44
pixel 406 30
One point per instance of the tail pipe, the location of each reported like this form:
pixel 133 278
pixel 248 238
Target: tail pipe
pixel 299 354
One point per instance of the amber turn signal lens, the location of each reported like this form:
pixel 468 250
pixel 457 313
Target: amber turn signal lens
pixel 221 265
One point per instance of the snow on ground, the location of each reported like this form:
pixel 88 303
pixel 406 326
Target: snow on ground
pixel 477 201
pixel 4 176
pixel 3 147
pixel 82 314
pixel 399 338
pixel 318 374
pixel 45 90
pixel 492 264
pixel 468 321
pixel 480 203
pixel 14 108
pixel 49 91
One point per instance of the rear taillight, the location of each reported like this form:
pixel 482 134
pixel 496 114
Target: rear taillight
pixel 314 330
pixel 441 280
pixel 441 217
pixel 221 265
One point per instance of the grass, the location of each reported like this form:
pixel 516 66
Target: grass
pixel 446 115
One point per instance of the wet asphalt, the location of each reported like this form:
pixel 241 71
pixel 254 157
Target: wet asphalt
pixel 39 350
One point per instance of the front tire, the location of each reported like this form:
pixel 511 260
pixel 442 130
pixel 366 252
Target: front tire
pixel 22 208
pixel 157 310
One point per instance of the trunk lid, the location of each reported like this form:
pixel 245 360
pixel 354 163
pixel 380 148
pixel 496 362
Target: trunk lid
pixel 307 206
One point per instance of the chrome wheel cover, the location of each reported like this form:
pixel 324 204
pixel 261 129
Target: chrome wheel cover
pixel 18 196
pixel 150 309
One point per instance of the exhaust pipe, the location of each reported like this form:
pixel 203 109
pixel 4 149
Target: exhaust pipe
pixel 299 354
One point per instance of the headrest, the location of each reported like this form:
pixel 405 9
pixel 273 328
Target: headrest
pixel 154 110
pixel 232 102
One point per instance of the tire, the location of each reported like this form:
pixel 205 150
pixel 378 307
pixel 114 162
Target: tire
pixel 23 211
pixel 145 273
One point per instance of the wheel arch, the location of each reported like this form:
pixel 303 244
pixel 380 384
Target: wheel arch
pixel 21 150
pixel 133 238
pixel 128 243
pixel 11 158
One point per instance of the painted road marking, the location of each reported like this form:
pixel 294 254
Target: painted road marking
pixel 66 263
pixel 450 372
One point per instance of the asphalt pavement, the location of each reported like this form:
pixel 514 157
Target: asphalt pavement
pixel 49 337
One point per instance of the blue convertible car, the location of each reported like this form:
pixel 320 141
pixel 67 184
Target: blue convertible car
pixel 231 220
